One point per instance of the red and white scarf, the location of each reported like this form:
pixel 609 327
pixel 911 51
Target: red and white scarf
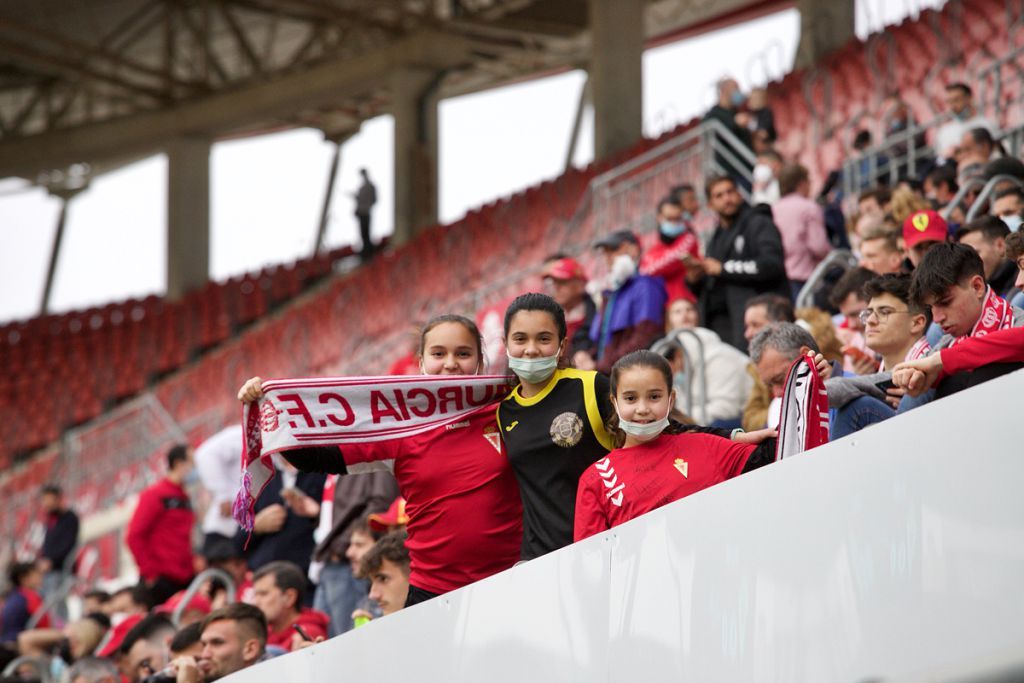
pixel 804 423
pixel 331 411
pixel 920 349
pixel 996 314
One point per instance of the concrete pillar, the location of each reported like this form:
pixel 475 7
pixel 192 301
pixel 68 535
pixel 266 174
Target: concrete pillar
pixel 824 28
pixel 414 105
pixel 616 52
pixel 188 215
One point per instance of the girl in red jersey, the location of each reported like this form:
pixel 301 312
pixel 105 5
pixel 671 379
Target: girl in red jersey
pixel 657 460
pixel 465 517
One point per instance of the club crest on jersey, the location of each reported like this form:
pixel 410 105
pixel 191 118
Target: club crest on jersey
pixel 567 430
pixel 493 437
pixel 268 417
pixel 683 467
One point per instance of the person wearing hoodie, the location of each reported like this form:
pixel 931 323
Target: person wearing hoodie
pixel 279 590
pixel 744 259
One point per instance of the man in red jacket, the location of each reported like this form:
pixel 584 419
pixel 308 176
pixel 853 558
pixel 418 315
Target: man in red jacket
pixel 279 590
pixel 159 534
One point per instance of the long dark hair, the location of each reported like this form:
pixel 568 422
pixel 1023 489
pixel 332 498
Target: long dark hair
pixel 643 359
pixel 470 326
pixel 535 301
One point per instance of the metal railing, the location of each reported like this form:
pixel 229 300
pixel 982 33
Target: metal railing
pixel 895 153
pixel 197 584
pixel 837 257
pixel 693 368
pixel 981 201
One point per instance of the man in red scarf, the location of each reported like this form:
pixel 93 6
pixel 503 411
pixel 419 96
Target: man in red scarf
pixel 950 280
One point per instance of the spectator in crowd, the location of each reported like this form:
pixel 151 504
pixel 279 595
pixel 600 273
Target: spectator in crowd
pixel 95 600
pixel 965 117
pixel 567 284
pixel 710 376
pixel 922 231
pixel 287 512
pixel 77 639
pixel 279 590
pixel 93 670
pixel 880 250
pixel 59 542
pixel 1008 204
pixel 950 281
pixel 234 638
pixel 632 312
pixel 338 589
pixel 767 171
pixel 848 297
pixel 801 223
pixel 760 312
pixel 745 258
pixel 762 119
pixel 386 566
pixel 987 236
pixel 194 611
pixel 773 351
pixel 940 186
pixel 727 112
pixel 366 197
pixel 676 247
pixel 894 324
pixel 21 602
pixel 652 452
pixel 977 148
pixel 128 601
pixel 553 423
pixel 898 119
pixel 875 201
pixel 682 314
pixel 217 460
pixel 699 219
pixel 186 641
pixel 160 530
pixel 226 555
pixel 144 650
pixel 905 202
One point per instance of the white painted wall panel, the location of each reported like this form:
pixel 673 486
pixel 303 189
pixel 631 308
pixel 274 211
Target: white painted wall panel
pixel 898 550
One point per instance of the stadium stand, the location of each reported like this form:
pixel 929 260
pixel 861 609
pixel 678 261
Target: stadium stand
pixel 166 371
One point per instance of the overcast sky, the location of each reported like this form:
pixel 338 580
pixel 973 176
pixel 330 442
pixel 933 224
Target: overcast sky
pixel 267 192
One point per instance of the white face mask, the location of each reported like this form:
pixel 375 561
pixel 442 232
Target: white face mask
pixel 763 174
pixel 623 268
pixel 533 370
pixel 643 432
pixel 1013 222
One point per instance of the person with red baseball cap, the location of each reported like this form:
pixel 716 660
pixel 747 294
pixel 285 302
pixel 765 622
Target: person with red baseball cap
pixel 566 282
pixel 921 231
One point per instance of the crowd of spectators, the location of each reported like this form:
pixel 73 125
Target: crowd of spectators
pixel 698 335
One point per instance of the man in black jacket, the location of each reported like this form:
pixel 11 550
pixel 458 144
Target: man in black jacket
pixel 59 541
pixel 744 259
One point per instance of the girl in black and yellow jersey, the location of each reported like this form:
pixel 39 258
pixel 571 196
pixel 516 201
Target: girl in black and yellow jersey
pixel 553 422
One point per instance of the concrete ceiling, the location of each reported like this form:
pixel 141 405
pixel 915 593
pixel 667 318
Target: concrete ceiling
pixel 95 82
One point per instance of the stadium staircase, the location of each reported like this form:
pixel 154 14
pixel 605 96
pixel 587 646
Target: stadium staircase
pixel 98 396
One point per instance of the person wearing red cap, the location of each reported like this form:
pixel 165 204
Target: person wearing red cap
pixel 160 530
pixel 921 231
pixel 279 589
pixel 567 284
pixel 677 246
pixel 395 517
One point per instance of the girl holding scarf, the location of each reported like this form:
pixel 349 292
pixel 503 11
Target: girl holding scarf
pixel 465 518
pixel 657 461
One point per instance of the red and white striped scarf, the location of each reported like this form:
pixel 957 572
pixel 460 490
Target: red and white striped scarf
pixel 920 349
pixel 804 422
pixel 996 314
pixel 332 411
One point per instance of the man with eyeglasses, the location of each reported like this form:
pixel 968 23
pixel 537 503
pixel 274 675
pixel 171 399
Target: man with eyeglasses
pixel 894 324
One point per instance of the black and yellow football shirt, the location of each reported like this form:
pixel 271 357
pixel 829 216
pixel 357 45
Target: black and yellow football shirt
pixel 551 438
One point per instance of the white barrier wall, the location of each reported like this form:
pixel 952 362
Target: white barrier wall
pixel 897 550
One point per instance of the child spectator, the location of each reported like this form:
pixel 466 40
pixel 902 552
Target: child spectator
pixel 657 461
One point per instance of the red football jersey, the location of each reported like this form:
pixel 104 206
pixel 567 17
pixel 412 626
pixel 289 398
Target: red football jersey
pixel 632 481
pixel 465 515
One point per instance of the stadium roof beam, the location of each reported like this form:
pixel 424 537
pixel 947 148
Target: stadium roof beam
pixel 824 28
pixel 188 215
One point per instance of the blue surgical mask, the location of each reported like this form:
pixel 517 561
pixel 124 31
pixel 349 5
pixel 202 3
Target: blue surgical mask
pixel 672 228
pixel 1013 222
pixel 738 98
pixel 533 370
pixel 191 478
pixel 687 216
pixel 643 432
